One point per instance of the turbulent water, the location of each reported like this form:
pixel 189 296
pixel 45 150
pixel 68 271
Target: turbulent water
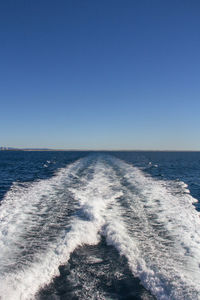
pixel 78 225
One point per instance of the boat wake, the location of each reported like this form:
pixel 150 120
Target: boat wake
pixel 152 223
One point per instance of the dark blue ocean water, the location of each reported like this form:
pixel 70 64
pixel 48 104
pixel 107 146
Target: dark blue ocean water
pixel 99 225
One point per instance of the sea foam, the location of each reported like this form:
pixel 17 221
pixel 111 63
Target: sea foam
pixel 153 223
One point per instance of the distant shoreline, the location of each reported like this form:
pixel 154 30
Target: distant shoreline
pixel 91 150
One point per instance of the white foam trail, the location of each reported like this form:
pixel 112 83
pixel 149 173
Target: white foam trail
pixel 24 206
pixel 83 228
pixel 153 223
pixel 159 234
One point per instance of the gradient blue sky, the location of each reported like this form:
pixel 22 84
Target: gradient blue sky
pixel 104 74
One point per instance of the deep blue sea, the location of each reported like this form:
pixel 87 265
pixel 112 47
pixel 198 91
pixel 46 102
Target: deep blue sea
pixel 99 225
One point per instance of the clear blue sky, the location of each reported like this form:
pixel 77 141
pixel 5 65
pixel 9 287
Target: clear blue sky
pixel 104 74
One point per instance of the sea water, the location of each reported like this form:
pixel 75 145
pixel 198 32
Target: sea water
pixel 99 225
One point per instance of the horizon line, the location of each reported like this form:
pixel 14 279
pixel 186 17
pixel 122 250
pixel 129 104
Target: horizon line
pixel 107 150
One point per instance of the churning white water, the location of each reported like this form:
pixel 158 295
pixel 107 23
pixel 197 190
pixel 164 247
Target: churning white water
pixel 152 223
